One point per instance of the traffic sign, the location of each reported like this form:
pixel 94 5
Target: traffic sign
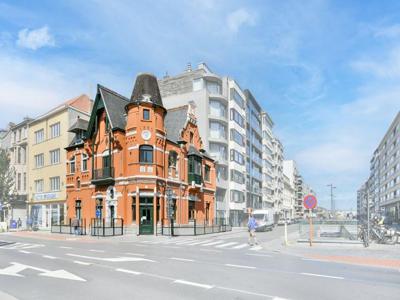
pixel 310 201
pixel 98 213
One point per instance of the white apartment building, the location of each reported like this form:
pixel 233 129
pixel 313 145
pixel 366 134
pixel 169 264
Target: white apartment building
pixel 15 141
pixel 383 185
pixel 268 168
pixel 278 185
pixel 230 122
pixel 290 174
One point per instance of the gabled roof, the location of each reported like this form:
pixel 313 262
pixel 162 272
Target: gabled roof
pixel 114 105
pixel 174 122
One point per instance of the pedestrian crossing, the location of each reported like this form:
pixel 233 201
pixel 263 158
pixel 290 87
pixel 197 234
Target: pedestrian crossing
pixel 18 246
pixel 221 244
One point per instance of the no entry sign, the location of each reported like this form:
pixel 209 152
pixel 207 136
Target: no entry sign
pixel 310 201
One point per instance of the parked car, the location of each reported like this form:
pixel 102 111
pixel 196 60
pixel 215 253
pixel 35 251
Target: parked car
pixel 264 219
pixel 281 222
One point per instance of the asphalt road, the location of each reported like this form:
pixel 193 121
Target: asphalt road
pixel 206 267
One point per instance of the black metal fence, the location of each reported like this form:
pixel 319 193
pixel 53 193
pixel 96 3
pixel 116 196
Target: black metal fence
pixel 193 228
pixel 101 227
pixel 69 227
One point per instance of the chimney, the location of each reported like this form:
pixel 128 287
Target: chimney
pixel 189 67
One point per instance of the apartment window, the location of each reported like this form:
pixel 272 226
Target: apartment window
pixel 19 155
pixel 146 154
pixel 237 196
pixel 55 156
pixel 39 160
pixel 237 177
pixel 237 137
pixel 54 183
pixel 85 158
pixel 217 109
pixel 39 136
pixel 235 116
pixel 222 173
pixel 19 182
pixel 146 114
pixel 39 186
pixel 218 151
pixel 237 98
pixel 55 130
pixel 214 87
pixel 237 157
pixel 19 134
pixel 24 182
pixel 172 161
pixel 217 130
pixel 72 165
pixel 207 172
pixel 197 84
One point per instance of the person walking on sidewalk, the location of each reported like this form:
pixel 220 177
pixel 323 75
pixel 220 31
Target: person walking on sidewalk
pixel 252 225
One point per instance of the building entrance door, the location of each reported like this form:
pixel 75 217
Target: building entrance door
pixel 146 220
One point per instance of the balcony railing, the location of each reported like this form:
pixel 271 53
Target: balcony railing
pixel 103 176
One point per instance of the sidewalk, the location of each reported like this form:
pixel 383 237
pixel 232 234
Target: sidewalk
pixel 377 255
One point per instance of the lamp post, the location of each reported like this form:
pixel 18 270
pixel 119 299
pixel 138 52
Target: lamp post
pixel 332 199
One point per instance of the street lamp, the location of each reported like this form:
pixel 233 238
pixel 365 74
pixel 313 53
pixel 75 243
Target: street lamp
pixel 332 199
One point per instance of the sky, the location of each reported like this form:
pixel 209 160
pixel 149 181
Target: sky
pixel 327 72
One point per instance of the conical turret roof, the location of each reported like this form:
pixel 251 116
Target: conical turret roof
pixel 146 90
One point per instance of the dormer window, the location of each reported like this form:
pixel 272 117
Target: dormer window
pixel 191 137
pixel 146 114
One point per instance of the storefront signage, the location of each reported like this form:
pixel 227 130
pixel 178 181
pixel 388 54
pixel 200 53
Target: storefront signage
pixel 45 196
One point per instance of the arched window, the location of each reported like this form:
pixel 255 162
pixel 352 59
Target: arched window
pixel 172 161
pixel 85 158
pixel 146 154
pixel 72 165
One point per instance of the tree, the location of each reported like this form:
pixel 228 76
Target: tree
pixel 7 175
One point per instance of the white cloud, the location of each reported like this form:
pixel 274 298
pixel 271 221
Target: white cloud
pixel 238 18
pixel 35 38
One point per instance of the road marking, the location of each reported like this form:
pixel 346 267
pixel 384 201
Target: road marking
pixel 81 263
pixel 261 255
pixel 135 254
pixel 241 246
pixel 312 259
pixel 181 259
pixel 98 251
pixel 240 266
pixel 213 243
pixel 150 242
pixel 172 247
pixel 32 246
pixel 15 268
pixel 23 251
pixel 226 245
pixel 211 250
pixel 49 256
pixel 199 242
pixel 319 275
pixel 112 259
pixel 65 247
pixel 204 286
pixel 256 248
pixel 248 293
pixel 185 242
pixel 128 271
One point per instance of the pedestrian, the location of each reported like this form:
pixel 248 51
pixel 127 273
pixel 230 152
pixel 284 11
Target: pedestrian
pixel 75 224
pixel 252 225
pixel 19 223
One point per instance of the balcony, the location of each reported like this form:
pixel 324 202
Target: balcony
pixel 104 176
pixel 194 177
pixel 257 160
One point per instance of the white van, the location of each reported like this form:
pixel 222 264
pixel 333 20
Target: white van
pixel 264 219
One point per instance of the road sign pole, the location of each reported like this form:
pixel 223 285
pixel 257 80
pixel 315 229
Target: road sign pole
pixel 311 226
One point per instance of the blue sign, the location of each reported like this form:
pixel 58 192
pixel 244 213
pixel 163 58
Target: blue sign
pixel 98 213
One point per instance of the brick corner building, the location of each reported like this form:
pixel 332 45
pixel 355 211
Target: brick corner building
pixel 122 162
